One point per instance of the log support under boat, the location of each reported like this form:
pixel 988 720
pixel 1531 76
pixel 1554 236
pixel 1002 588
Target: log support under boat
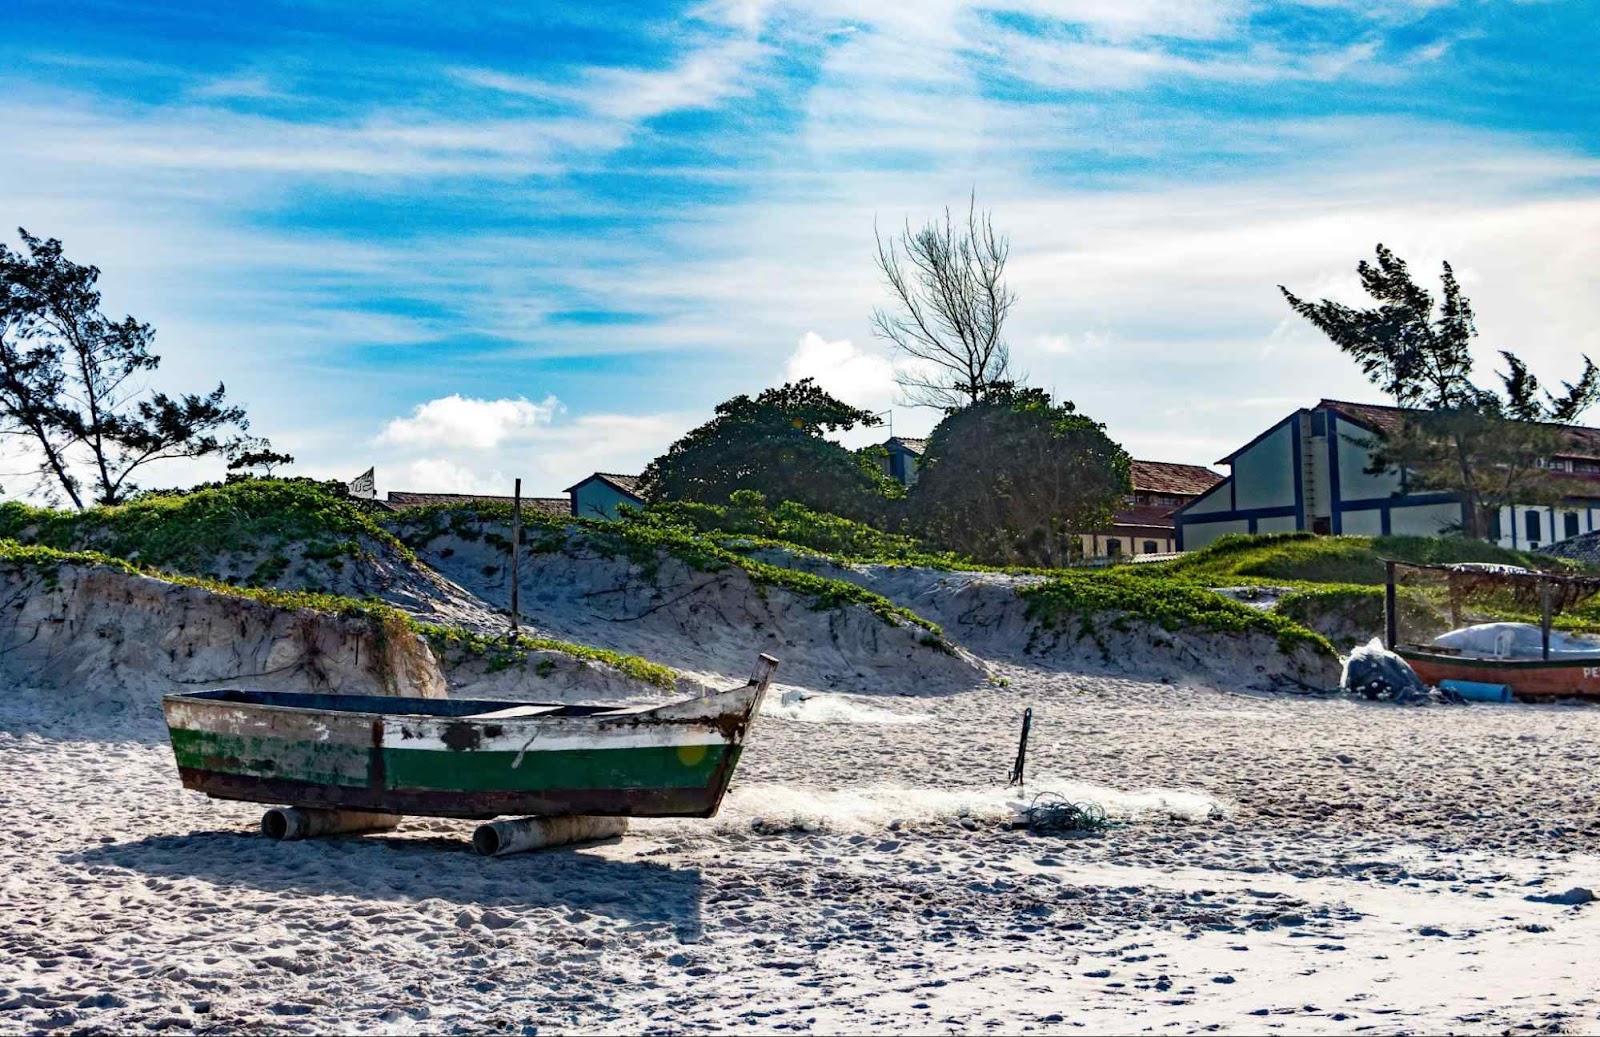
pixel 290 823
pixel 519 835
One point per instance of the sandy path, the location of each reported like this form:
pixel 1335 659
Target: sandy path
pixel 1371 873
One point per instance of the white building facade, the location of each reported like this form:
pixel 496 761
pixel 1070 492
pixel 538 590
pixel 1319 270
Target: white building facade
pixel 1309 473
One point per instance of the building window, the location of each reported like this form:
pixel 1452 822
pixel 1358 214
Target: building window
pixel 1151 547
pixel 1530 527
pixel 1571 523
pixel 1494 526
pixel 1113 548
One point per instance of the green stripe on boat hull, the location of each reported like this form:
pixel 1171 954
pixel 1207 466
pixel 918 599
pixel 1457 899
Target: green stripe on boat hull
pixel 681 802
pixel 638 767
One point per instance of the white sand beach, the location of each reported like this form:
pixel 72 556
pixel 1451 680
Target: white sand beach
pixel 1284 864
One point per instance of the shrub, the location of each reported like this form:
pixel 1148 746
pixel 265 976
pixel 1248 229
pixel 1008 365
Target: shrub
pixel 1086 597
pixel 1336 559
pixel 189 532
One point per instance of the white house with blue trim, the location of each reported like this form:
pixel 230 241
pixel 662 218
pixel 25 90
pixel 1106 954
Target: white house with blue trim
pixel 1309 473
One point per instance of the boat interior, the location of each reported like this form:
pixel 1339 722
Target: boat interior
pixel 388 705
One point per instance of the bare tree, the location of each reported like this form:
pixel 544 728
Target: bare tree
pixel 951 302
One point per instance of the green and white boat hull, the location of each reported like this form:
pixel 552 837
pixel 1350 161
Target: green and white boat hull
pixel 463 758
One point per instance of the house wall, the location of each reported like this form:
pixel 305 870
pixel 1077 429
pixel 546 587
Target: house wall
pixel 597 499
pixel 908 464
pixel 1200 534
pixel 1098 545
pixel 1277 524
pixel 1552 522
pixel 1264 474
pixel 1218 498
pixel 1353 457
pixel 1261 496
pixel 1368 523
pixel 1425 520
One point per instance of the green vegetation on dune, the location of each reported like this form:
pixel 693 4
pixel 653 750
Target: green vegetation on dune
pixel 1086 597
pixel 504 652
pixel 1349 614
pixel 191 532
pixel 391 621
pixel 646 543
pixel 1308 558
pixel 44 559
pixel 747 514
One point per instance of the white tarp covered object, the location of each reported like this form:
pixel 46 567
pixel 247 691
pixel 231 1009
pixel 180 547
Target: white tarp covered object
pixel 1515 641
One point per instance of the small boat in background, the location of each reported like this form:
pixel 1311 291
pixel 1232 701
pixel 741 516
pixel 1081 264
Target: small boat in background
pixel 383 756
pixel 1536 662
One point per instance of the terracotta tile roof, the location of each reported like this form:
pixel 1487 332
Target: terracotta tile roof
pixel 399 500
pixel 1188 480
pixel 1577 441
pixel 628 484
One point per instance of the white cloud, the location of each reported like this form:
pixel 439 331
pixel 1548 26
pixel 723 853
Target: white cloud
pixel 457 421
pixel 1063 344
pixel 440 475
pixel 547 455
pixel 859 378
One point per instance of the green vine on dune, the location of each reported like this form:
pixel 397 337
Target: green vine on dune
pixel 387 620
pixel 1088 597
pixel 191 532
pixel 504 652
pixel 645 545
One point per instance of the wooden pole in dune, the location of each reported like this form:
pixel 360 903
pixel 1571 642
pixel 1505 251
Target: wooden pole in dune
pixel 1544 617
pixel 516 545
pixel 1391 625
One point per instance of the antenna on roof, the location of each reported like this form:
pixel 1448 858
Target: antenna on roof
pixel 889 412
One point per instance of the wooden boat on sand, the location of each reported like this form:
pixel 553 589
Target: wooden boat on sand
pixel 461 757
pixel 1543 666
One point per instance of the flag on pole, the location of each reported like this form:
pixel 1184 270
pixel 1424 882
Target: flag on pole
pixel 365 485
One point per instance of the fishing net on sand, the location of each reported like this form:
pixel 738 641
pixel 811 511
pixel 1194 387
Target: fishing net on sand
pixel 1052 812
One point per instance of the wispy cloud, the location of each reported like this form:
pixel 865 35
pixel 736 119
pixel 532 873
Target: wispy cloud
pixel 411 251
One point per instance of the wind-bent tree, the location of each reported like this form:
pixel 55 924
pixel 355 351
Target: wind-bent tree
pixel 1487 446
pixel 950 306
pixel 71 384
pixel 256 460
pixel 1015 479
pixel 773 444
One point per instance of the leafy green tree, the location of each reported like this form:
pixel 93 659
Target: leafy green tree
pixel 72 389
pixel 774 444
pixel 1487 446
pixel 1015 478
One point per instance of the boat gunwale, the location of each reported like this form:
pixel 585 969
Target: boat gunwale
pixel 600 713
pixel 1585 661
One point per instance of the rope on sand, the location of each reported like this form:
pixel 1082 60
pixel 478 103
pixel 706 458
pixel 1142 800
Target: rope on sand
pixel 1053 812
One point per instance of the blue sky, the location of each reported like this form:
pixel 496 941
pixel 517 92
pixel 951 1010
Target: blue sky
pixel 466 246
